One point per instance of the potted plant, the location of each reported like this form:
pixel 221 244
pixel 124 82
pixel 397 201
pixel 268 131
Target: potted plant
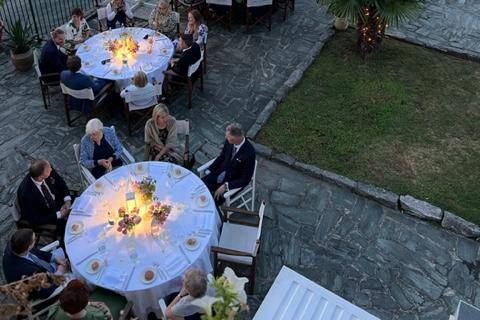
pixel 19 44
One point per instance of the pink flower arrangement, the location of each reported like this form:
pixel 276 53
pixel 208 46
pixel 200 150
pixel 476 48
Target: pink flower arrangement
pixel 160 211
pixel 128 221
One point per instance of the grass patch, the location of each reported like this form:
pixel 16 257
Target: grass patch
pixel 407 119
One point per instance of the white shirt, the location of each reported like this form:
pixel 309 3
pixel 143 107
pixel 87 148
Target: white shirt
pixel 39 187
pixel 237 147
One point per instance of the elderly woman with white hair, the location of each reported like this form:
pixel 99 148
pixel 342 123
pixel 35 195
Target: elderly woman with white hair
pixel 164 20
pixel 161 136
pixel 100 149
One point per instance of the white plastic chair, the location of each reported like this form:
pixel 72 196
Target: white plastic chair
pixel 85 174
pixel 239 198
pixel 239 241
pixel 293 297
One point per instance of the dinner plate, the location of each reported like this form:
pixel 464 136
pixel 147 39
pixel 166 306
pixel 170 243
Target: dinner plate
pixel 202 200
pixel 99 186
pixel 76 227
pixel 147 67
pixel 192 243
pixel 94 266
pixel 144 274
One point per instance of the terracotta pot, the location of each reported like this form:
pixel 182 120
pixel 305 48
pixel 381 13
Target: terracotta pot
pixel 22 61
pixel 340 24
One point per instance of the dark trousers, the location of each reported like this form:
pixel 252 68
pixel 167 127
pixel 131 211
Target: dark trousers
pixel 210 181
pixel 99 171
pixel 120 17
pixel 168 299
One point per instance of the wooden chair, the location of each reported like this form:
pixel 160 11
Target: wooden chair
pixel 219 17
pixel 46 80
pixel 46 232
pixel 239 197
pixel 264 19
pixel 239 242
pixel 189 80
pixel 84 94
pixel 285 5
pixel 143 111
pixel 195 4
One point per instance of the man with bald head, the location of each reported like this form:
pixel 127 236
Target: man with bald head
pixel 43 196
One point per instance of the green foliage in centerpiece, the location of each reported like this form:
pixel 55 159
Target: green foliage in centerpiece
pixel 146 188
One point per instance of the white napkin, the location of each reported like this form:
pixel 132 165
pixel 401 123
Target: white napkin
pixel 82 203
pixel 114 278
pixel 176 264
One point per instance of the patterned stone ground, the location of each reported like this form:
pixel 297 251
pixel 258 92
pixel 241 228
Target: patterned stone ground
pixel 452 25
pixel 393 265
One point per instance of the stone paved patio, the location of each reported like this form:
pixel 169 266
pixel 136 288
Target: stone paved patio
pixel 393 265
pixel 448 25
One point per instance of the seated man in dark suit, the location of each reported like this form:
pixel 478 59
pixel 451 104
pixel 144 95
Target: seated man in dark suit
pixel 52 60
pixel 44 197
pixel 76 80
pixel 234 167
pixel 20 259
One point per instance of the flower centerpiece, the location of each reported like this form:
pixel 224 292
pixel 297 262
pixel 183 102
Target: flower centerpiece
pixel 160 211
pixel 229 300
pixel 124 47
pixel 146 188
pixel 128 220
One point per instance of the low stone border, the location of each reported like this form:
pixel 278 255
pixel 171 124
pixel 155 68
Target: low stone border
pixel 403 203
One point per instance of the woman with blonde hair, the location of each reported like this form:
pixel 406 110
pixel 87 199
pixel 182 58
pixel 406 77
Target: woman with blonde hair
pixel 161 136
pixel 145 90
pixel 164 20
pixel 196 27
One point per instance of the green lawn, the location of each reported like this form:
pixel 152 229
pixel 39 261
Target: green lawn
pixel 407 120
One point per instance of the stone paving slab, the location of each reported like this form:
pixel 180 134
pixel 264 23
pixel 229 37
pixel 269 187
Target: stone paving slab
pixel 447 25
pixel 393 265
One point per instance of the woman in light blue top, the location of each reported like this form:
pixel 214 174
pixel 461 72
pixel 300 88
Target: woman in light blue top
pixel 100 149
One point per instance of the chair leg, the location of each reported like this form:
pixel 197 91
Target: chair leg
pixel 247 20
pixel 251 285
pixel 190 89
pixel 129 121
pixel 45 104
pixel 67 111
pixel 270 19
pixel 201 80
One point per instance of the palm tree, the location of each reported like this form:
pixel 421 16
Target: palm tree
pixel 372 17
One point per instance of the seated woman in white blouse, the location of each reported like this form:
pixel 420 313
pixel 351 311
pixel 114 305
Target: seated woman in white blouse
pixel 118 11
pixel 77 29
pixel 144 90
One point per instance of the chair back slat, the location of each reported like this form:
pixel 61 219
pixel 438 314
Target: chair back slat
pixel 194 67
pixel 220 2
pixel 83 94
pixel 36 62
pixel 177 16
pixel 183 127
pixel 261 211
pixel 258 3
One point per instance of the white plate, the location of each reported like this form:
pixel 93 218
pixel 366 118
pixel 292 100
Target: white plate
pixel 98 186
pixel 77 230
pixel 142 275
pixel 192 247
pixel 200 202
pixel 147 67
pixel 90 263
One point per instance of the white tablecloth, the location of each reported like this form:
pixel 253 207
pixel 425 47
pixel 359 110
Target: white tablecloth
pixel 93 52
pixel 168 255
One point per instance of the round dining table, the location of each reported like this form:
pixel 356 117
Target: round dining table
pixel 104 256
pixel 152 56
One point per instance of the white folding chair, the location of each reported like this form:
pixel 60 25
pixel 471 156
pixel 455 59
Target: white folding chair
pixel 142 110
pixel 46 80
pixel 238 197
pixel 85 174
pixel 102 18
pixel 163 308
pixel 239 241
pixel 293 297
pixel 43 310
pixel 264 19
